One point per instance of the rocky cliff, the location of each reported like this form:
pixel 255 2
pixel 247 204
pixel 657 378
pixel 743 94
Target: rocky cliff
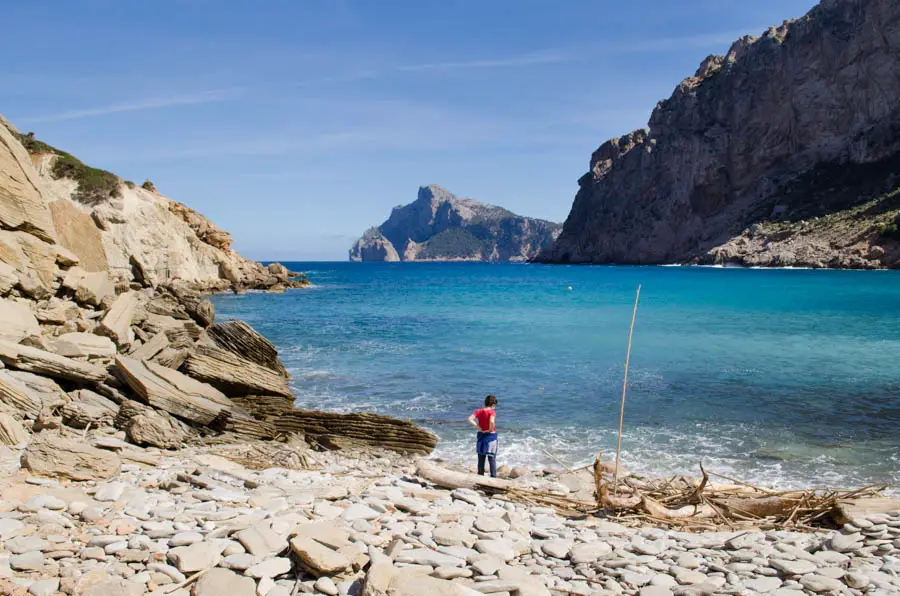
pixel 50 203
pixel 104 328
pixel 439 226
pixel 780 153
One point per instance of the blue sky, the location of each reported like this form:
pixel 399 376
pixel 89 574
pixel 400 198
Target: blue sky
pixel 297 124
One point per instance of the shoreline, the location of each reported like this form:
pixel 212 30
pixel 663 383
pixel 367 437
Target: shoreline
pixel 195 521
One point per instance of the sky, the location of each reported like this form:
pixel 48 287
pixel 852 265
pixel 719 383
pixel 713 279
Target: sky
pixel 298 124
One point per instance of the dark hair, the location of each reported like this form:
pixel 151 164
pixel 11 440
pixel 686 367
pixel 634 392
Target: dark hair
pixel 490 400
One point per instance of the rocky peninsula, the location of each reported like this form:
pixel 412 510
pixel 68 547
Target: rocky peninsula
pixel 783 152
pixel 439 226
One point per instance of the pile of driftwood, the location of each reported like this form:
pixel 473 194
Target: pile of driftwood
pixel 683 502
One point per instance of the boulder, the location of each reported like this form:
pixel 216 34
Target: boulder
pixel 151 348
pixel 88 409
pixel 194 304
pixel 56 311
pixel 383 579
pixel 261 541
pixel 17 396
pixel 78 233
pixel 196 557
pixel 16 321
pixel 29 254
pixel 243 340
pixel 59 457
pixel 89 287
pixel 278 270
pixel 31 286
pixel 148 427
pixel 8 278
pixel 168 306
pixel 46 363
pixel 233 375
pixel 220 581
pixel 116 324
pixel 155 323
pixel 84 345
pixel 169 390
pixel 11 430
pixel 170 357
pixel 327 533
pixel 44 389
pixel 66 258
pixel 317 558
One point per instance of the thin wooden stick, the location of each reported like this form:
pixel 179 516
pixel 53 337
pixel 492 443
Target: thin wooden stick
pixel 557 460
pixel 188 581
pixel 624 387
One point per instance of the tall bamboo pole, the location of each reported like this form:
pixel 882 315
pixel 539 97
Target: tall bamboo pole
pixel 624 387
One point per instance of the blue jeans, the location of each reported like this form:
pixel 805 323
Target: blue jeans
pixel 486 447
pixel 492 460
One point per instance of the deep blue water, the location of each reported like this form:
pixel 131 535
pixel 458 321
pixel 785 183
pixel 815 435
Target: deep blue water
pixel 788 377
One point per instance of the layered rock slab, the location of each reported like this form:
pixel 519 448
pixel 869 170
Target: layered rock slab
pixel 234 375
pixel 59 457
pixel 171 391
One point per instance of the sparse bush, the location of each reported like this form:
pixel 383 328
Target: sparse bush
pixel 94 185
pixel 147 185
pixel 130 184
pixel 32 145
pixel 890 230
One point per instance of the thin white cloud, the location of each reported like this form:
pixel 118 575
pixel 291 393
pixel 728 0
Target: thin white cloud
pixel 551 56
pixel 668 44
pixel 155 103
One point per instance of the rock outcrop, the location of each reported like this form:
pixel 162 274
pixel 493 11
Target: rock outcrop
pixel 439 226
pixel 56 210
pixel 97 336
pixel 782 152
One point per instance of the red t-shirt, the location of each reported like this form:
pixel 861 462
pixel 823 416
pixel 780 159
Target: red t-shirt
pixel 483 415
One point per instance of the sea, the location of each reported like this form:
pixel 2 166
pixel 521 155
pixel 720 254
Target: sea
pixel 782 378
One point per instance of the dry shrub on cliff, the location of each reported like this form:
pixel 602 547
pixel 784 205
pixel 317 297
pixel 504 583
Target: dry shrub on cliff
pixel 94 185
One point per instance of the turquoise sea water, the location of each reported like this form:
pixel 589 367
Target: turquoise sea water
pixel 785 377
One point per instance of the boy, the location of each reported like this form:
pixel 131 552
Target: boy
pixel 485 421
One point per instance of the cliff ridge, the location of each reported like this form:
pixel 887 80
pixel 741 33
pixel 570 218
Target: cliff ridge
pixel 780 153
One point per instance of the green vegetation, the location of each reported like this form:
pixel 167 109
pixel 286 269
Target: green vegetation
pixel 94 185
pixel 453 243
pixel 32 145
pixel 147 185
pixel 890 230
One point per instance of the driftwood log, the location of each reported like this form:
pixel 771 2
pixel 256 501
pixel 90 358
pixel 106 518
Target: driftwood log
pixel 234 375
pixel 243 340
pixel 452 479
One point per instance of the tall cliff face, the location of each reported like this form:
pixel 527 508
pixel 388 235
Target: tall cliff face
pixel 51 204
pixel 439 226
pixel 784 130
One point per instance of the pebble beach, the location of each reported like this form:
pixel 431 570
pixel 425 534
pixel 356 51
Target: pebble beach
pixel 361 523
